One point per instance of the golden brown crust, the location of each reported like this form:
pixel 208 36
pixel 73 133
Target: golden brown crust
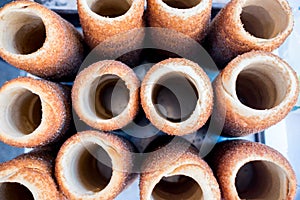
pixel 241 120
pixel 228 157
pixel 62 52
pixel 192 22
pixel 98 28
pixel 39 158
pixel 119 151
pixel 227 38
pixel 56 112
pixel 175 159
pixel 62 197
pixel 198 76
pixel 33 172
pixel 84 83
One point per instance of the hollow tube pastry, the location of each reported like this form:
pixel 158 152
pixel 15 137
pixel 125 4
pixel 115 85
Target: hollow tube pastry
pixel 245 25
pixel 190 17
pixel 102 20
pixel 28 177
pixel 35 39
pixel 177 172
pixel 33 112
pixel 249 170
pixel 255 91
pixel 177 96
pixel 94 165
pixel 106 95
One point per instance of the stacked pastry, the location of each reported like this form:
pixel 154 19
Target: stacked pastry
pixel 177 96
pixel 248 170
pixel 175 171
pixel 255 91
pixel 105 95
pixel 94 165
pixel 173 22
pixel 37 40
pixel 190 17
pixel 245 25
pixel 33 112
pixel 29 176
pixel 113 28
pixel 101 20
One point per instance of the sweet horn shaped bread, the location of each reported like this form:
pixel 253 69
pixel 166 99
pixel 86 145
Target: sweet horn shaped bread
pixel 255 91
pixel 249 170
pixel 113 26
pixel 33 112
pixel 190 17
pixel 29 177
pixel 35 39
pixel 176 171
pixel 177 96
pixel 106 95
pixel 101 19
pixel 94 165
pixel 245 25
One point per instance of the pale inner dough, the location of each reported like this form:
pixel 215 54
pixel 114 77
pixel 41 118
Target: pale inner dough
pixel 14 191
pixel 177 187
pixel 109 8
pixel 109 96
pixel 259 89
pixel 261 180
pixel 264 19
pixel 182 4
pixel 175 97
pixel 22 32
pixel 22 111
pixel 90 169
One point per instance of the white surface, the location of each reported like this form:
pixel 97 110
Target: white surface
pixel 285 137
pixel 221 1
pixel 131 193
pixel 289 51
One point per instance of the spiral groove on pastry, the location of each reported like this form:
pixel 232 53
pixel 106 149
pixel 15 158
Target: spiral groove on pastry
pixel 190 17
pixel 28 177
pixel 177 172
pixel 94 165
pixel 111 23
pixel 37 40
pixel 245 25
pixel 106 95
pixel 33 112
pixel 255 91
pixel 177 97
pixel 248 170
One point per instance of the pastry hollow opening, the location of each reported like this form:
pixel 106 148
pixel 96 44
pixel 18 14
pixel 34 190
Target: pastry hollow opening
pixel 182 4
pixel 259 89
pixel 110 96
pixel 14 191
pixel 261 180
pixel 177 187
pixel 23 33
pixel 264 19
pixel 91 169
pixel 175 97
pixel 23 113
pixel 110 8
